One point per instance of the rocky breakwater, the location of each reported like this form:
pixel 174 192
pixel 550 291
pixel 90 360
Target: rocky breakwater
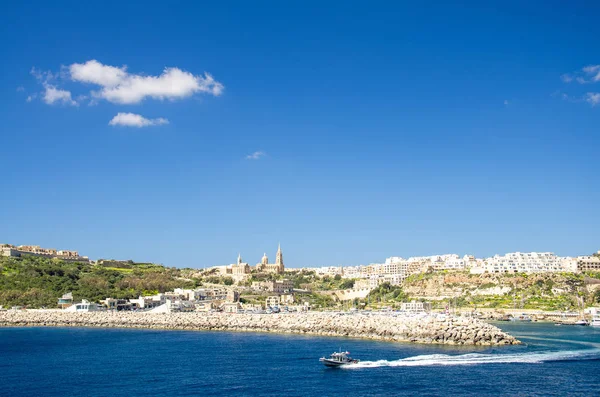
pixel 426 329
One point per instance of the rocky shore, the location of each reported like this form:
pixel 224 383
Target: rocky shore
pixel 428 329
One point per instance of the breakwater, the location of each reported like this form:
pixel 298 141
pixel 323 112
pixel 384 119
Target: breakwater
pixel 400 328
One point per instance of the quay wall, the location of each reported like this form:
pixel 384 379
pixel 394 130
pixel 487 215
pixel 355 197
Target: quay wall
pixel 427 329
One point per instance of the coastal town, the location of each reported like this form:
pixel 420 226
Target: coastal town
pixel 269 287
pixel 224 308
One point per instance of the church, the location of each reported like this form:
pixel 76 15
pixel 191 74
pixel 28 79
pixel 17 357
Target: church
pixel 241 268
pixel 265 267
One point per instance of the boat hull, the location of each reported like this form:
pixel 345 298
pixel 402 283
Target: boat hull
pixel 333 363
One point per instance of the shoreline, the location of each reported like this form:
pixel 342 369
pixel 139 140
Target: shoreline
pixel 406 329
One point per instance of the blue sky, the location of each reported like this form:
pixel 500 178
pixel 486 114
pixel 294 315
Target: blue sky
pixel 348 132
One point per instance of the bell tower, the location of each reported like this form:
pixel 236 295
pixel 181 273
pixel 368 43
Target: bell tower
pixel 279 258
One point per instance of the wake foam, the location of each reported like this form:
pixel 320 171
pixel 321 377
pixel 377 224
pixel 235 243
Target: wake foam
pixel 477 358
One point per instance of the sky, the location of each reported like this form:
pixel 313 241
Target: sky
pixel 184 133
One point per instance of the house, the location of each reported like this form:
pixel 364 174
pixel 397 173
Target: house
pixel 233 307
pixel 416 307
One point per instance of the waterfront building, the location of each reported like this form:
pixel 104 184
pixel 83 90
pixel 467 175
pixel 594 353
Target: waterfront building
pixel 118 304
pixel 205 306
pixel 148 302
pixel 83 306
pixel 66 300
pixel 277 300
pixel 231 307
pixel 416 307
pixel 265 267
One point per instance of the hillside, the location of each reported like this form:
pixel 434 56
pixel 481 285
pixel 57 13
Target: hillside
pixel 39 282
pixel 547 291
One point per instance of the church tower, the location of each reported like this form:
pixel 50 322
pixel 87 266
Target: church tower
pixel 279 258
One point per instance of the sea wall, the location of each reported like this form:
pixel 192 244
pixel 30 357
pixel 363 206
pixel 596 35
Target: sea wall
pixel 427 329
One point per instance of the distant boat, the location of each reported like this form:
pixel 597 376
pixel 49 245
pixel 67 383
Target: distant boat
pixel 522 317
pixel 595 320
pixel 338 359
pixel 582 322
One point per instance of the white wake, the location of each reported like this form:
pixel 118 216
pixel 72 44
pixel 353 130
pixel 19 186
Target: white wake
pixel 477 358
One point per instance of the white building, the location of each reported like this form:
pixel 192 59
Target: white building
pixel 525 262
pixel 84 306
pixel 331 271
pixel 416 307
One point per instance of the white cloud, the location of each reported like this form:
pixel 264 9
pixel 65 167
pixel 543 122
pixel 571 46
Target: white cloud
pixel 256 155
pixel 118 86
pixel 20 88
pixel 588 74
pixel 566 78
pixel 135 120
pixel 54 95
pixel 593 98
pixel 506 102
pixel 96 73
pixel 31 97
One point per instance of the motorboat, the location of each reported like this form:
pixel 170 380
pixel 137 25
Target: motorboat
pixel 581 322
pixel 338 359
pixel 595 320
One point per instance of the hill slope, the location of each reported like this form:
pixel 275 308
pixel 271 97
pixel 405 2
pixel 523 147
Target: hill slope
pixel 37 282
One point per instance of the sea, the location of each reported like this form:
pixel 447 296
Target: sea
pixel 553 361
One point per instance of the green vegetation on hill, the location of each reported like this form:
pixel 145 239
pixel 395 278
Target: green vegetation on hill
pixel 38 282
pixel 541 291
pixel 387 293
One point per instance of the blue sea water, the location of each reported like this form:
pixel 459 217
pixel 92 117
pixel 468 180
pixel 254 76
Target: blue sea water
pixel 554 361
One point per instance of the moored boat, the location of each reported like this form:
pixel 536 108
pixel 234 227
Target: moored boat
pixel 595 320
pixel 338 359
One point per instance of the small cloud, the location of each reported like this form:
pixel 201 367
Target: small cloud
pixel 587 74
pixel 256 155
pixel 31 97
pixel 566 78
pixel 506 102
pixel 591 69
pixel 43 76
pixel 20 88
pixel 135 120
pixel 593 98
pixel 54 95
